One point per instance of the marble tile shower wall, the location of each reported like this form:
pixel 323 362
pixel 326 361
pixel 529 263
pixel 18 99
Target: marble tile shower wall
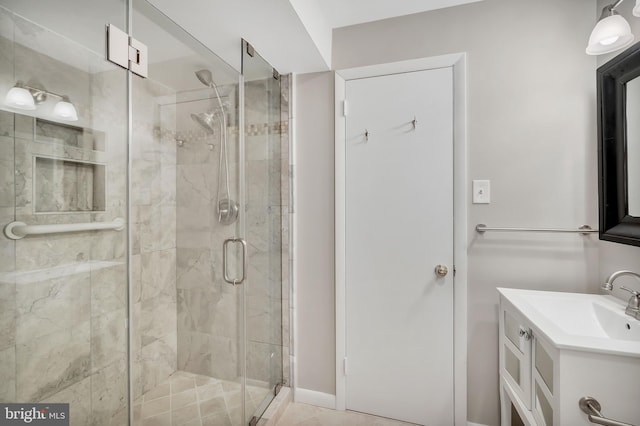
pixel 286 205
pixel 208 317
pixel 209 321
pixel 153 257
pixel 62 296
pixel 266 230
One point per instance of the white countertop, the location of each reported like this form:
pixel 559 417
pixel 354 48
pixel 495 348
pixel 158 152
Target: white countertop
pixel 578 321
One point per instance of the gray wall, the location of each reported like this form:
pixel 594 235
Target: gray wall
pixel 614 257
pixel 531 127
pixel 313 233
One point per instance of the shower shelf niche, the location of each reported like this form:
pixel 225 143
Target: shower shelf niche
pixel 61 185
pixel 51 132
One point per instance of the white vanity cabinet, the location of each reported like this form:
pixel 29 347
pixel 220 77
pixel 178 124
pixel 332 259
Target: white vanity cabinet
pixel 542 376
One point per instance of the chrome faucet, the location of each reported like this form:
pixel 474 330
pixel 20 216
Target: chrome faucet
pixel 633 306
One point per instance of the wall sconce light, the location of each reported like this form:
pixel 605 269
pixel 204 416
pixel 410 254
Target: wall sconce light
pixel 612 32
pixel 26 97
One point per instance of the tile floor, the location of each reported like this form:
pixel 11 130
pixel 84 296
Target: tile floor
pixel 307 415
pixel 188 399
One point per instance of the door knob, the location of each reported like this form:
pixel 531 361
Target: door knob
pixel 441 270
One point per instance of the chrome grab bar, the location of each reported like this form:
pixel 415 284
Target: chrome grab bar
pixel 18 230
pixel 591 407
pixel 234 281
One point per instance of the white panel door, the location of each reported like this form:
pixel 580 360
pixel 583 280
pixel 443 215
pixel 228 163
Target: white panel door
pixel 399 226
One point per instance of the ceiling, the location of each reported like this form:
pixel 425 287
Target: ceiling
pixel 293 35
pixel 342 13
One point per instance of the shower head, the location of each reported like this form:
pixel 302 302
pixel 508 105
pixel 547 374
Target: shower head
pixel 205 120
pixel 205 77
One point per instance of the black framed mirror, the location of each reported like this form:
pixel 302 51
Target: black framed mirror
pixel 619 147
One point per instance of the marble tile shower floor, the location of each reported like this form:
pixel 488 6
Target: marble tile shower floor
pixel 187 399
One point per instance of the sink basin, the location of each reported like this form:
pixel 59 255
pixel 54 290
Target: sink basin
pixel 580 321
pixel 591 316
pixel 616 324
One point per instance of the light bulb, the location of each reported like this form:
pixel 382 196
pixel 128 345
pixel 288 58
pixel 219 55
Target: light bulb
pixel 608 41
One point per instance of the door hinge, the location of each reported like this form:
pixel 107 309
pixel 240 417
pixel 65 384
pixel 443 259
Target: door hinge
pixel 250 50
pixel 345 365
pixel 126 51
pixel 454 270
pixel 344 108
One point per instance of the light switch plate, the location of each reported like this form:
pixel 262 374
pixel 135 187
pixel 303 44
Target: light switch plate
pixel 481 192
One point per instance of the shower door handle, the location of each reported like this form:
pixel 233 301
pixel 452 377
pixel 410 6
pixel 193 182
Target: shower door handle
pixel 228 241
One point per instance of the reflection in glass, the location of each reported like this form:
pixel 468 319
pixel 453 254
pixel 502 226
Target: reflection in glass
pixel 633 146
pixel 194 348
pixel 63 297
pixel 262 226
pixel 544 365
pixel 512 364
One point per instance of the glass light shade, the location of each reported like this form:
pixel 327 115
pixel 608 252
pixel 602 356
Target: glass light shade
pixel 19 97
pixel 610 34
pixel 65 110
pixel 636 9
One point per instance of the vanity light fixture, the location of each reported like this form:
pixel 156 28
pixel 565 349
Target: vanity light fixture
pixel 612 32
pixel 26 97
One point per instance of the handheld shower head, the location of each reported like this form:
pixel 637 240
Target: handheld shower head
pixel 205 120
pixel 205 77
pixel 227 209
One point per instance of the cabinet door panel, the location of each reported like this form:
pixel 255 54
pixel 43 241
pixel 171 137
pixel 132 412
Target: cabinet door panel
pixel 515 355
pixel 544 365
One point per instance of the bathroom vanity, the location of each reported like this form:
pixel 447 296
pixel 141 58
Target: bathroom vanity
pixel 556 348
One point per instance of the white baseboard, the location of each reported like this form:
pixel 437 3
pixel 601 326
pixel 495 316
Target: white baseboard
pixel 319 399
pixel 474 424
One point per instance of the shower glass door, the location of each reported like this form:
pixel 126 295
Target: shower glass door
pixel 187 334
pixel 262 228
pixel 63 161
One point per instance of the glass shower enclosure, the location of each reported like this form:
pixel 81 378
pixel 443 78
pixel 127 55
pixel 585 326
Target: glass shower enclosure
pixel 141 277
